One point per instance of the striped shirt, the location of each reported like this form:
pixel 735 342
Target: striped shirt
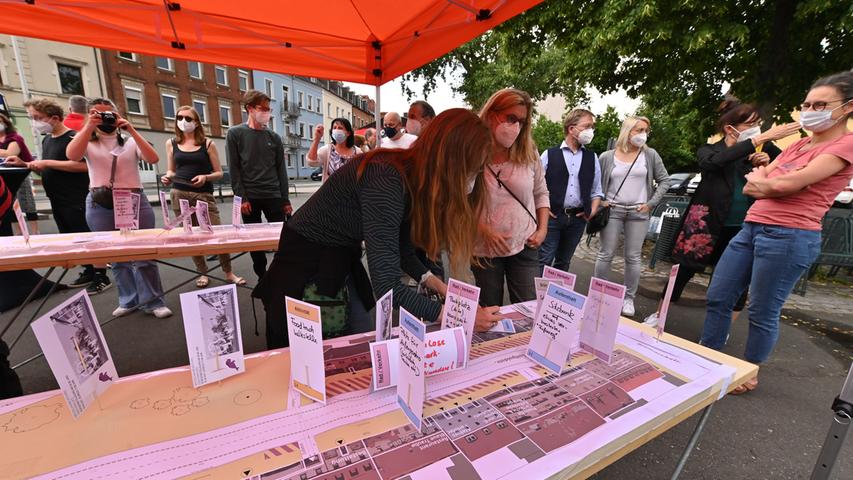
pixel 347 210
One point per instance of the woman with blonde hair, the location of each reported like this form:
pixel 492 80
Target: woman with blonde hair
pixel 426 196
pixel 192 166
pixel 515 220
pixel 627 176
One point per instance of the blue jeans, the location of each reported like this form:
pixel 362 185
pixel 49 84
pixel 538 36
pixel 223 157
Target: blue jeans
pixel 138 282
pixel 769 260
pixel 564 235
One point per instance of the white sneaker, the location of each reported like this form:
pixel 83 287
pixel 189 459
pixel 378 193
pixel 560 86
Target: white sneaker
pixel 628 307
pixel 121 311
pixel 161 312
pixel 651 320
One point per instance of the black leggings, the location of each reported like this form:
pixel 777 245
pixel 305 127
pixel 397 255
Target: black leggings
pixel 272 210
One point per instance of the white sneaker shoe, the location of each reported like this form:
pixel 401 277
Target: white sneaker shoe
pixel 121 311
pixel 628 307
pixel 651 320
pixel 161 312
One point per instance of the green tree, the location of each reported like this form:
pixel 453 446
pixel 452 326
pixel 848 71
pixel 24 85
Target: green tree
pixel 547 133
pixel 678 55
pixel 607 126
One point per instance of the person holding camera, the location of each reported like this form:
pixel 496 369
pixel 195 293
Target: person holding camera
pixel 334 156
pixel 112 160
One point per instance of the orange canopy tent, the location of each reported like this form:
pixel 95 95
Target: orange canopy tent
pixel 363 41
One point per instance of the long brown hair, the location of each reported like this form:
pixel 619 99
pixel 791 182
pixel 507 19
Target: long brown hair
pixel 523 151
pixel 454 147
pixel 198 133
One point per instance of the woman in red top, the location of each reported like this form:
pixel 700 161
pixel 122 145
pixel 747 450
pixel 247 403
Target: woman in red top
pixel 781 234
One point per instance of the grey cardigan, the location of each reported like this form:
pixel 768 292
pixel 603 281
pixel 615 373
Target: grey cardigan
pixel 654 168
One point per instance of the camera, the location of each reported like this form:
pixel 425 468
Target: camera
pixel 108 118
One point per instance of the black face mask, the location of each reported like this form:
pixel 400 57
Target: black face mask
pixel 107 128
pixel 390 132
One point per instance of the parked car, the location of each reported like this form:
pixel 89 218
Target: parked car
pixel 678 183
pixel 317 174
pixel 694 184
pixel 845 198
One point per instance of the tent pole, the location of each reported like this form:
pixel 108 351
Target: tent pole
pixel 25 90
pixel 377 113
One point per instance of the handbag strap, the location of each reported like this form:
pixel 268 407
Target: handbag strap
pixel 113 171
pixel 626 174
pixel 503 185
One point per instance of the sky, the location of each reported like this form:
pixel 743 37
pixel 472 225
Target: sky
pixel 393 98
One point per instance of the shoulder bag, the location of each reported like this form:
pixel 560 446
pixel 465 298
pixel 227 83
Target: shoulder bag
pixel 503 185
pixel 599 221
pixel 103 196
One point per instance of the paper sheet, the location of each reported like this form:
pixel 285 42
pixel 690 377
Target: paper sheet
pixel 567 279
pixel 126 209
pixel 203 215
pixel 460 307
pixel 667 299
pixel 186 212
pixel 556 328
pixel 305 331
pixel 236 215
pixel 22 222
pixel 601 316
pixel 384 316
pixel 411 385
pixel 446 350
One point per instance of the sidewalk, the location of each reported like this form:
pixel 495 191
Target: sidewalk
pixel 820 299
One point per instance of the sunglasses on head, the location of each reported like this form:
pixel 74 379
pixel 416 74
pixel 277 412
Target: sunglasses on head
pixel 188 118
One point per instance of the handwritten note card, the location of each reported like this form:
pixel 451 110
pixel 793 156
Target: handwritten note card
pixel 126 209
pixel 460 308
pixel 556 327
pixel 411 386
pixel 305 332
pixel 601 318
pixel 445 352
pixel 236 209
pixel 384 316
pixel 565 278
pixel 667 298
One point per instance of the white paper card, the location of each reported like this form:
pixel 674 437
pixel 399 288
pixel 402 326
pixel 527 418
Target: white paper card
pixel 186 213
pixel 202 213
pixel 504 326
pixel 236 215
pixel 75 349
pixel 601 317
pixel 305 331
pixel 445 352
pixel 212 327
pixel 411 386
pixel 556 327
pixel 384 316
pixel 126 209
pixel 460 308
pixel 164 209
pixel 22 222
pixel 567 279
pixel 667 298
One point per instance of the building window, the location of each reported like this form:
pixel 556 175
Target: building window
pixel 134 100
pixel 128 56
pixel 287 128
pixel 268 87
pixel 300 99
pixel 244 116
pixel 221 75
pixel 310 132
pixel 225 115
pixel 289 160
pixel 301 130
pixel 319 106
pixel 310 102
pixel 170 106
pixel 285 95
pixel 303 160
pixel 272 124
pixel 164 63
pixel 243 79
pixel 196 70
pixel 70 79
pixel 201 107
pixel 328 109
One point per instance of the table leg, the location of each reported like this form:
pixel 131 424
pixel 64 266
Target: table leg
pixel 38 310
pixel 27 300
pixel 692 443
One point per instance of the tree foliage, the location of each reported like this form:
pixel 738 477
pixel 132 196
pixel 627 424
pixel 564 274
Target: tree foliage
pixel 546 133
pixel 677 55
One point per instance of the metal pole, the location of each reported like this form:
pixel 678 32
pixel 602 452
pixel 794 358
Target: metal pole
pixel 692 443
pixel 842 411
pixel 25 90
pixel 377 113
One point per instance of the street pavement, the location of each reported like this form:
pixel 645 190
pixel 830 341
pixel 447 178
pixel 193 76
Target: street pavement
pixel 774 432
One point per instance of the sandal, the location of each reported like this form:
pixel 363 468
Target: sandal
pixel 239 281
pixel 747 387
pixel 202 282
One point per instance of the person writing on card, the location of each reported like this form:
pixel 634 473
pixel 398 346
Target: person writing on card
pixel 426 196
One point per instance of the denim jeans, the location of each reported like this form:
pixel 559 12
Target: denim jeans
pixel 138 282
pixel 769 260
pixel 633 225
pixel 564 235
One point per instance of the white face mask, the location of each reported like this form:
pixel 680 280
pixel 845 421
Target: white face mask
pixel 42 127
pixel 262 118
pixel 639 139
pixel 748 133
pixel 586 136
pixel 186 126
pixel 818 122
pixel 2 127
pixel 506 133
pixel 339 136
pixel 413 126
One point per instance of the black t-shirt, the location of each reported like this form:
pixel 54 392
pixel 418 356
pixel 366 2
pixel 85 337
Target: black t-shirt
pixel 62 186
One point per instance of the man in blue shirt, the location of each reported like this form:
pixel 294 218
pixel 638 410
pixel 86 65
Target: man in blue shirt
pixel 573 175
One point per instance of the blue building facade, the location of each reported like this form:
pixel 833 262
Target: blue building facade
pixel 296 110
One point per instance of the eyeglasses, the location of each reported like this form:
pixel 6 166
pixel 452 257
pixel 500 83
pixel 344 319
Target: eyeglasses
pixel 188 118
pixel 819 106
pixel 512 119
pixel 262 108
